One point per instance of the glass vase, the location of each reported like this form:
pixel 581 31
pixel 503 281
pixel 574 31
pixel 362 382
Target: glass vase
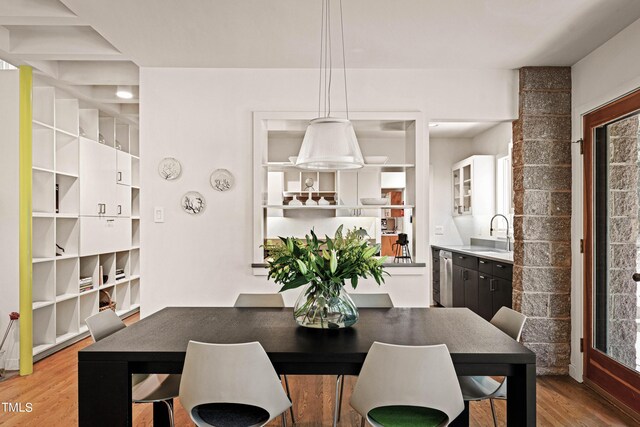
pixel 325 307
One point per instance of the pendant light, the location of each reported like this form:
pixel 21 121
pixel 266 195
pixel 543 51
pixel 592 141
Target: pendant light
pixel 329 143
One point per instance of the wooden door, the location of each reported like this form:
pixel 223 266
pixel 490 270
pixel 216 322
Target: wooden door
pixel 612 250
pixel 386 248
pixel 485 297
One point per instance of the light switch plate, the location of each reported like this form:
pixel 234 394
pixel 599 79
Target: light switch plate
pixel 158 214
pixel 439 230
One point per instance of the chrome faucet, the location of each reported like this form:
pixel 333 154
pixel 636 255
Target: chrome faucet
pixel 491 230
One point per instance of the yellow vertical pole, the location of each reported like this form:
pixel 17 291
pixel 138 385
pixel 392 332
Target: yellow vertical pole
pixel 26 279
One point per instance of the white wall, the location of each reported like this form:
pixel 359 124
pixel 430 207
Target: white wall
pixel 444 153
pixel 203 117
pixel 607 73
pixel 9 210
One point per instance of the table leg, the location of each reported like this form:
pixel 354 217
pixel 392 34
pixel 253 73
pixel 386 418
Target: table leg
pixel 521 396
pixel 462 420
pixel 161 413
pixel 104 394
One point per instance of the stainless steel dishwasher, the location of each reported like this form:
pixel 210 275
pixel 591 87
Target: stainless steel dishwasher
pixel 446 279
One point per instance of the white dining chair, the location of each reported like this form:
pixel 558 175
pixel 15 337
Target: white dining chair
pixel 416 385
pixel 265 301
pixel 231 385
pixel 146 388
pixel 481 388
pixel 378 300
pixel 259 300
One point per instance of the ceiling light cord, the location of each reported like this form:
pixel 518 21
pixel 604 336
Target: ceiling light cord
pixel 344 63
pixel 330 52
pixel 321 58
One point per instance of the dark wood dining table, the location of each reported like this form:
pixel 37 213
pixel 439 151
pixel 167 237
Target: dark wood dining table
pixel 158 343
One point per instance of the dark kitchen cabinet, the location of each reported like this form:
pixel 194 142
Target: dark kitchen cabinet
pixel 480 284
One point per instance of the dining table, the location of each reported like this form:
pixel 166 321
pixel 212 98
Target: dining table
pixel 158 344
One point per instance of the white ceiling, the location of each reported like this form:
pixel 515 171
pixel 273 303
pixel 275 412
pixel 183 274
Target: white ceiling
pixel 378 33
pixel 88 47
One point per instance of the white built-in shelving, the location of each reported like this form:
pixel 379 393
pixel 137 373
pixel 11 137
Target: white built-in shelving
pixel 62 130
pixel 391 143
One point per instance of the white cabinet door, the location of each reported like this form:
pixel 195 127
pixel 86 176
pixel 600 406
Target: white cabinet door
pixel 119 234
pixel 97 166
pixel 93 232
pixel 123 165
pixel 104 234
pixel 123 201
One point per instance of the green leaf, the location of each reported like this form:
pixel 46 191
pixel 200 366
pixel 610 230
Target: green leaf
pixel 290 244
pixel 303 268
pixel 333 262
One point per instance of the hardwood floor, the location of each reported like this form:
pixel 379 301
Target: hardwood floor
pixel 52 390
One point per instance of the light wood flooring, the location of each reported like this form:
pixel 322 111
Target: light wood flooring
pixel 53 389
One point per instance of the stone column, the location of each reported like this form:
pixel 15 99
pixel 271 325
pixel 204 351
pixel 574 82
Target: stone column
pixel 623 240
pixel 542 214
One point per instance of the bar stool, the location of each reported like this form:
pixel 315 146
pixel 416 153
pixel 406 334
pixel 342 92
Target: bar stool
pixel 401 249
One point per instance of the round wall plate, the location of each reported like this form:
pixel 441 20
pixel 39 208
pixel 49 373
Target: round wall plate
pixel 169 168
pixel 193 203
pixel 222 180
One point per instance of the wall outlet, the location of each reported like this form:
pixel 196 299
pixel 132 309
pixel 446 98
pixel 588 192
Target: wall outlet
pixel 158 214
pixel 439 230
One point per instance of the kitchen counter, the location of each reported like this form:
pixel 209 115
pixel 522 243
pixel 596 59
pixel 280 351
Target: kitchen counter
pixel 479 251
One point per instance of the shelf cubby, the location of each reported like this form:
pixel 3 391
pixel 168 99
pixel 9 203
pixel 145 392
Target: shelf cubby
pixel 134 143
pixel 135 202
pixel 67 319
pixel 43 290
pixel 122 137
pixel 67 235
pixel 109 291
pixel 43 104
pixel 108 264
pixel 67 154
pixel 89 268
pixel 134 292
pixel 123 301
pixel 108 130
pixel 66 115
pixel 68 190
pixel 44 328
pixel 135 233
pixel 134 262
pixel 135 172
pixel 88 307
pixel 43 230
pixel 43 191
pixel 67 276
pixel 122 262
pixel 88 121
pixel 42 148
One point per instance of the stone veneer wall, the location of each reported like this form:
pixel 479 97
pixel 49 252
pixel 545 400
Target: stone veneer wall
pixel 542 214
pixel 623 240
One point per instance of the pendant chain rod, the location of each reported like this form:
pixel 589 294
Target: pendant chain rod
pixel 328 60
pixel 321 57
pixel 344 63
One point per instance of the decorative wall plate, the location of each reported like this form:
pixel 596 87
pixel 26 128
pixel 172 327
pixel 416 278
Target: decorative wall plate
pixel 193 203
pixel 222 180
pixel 169 168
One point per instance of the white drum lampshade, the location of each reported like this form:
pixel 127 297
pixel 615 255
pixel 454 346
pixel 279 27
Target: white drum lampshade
pixel 329 144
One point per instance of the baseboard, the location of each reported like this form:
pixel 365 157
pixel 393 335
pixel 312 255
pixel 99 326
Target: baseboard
pixel 575 373
pixel 615 402
pixel 12 364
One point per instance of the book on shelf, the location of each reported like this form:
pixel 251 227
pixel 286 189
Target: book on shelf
pixel 86 288
pixel 86 281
